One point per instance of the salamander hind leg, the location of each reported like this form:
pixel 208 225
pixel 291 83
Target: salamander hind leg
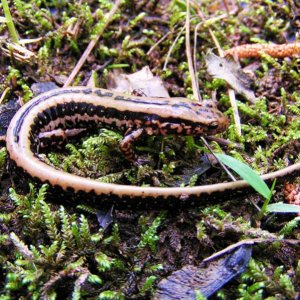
pixel 126 144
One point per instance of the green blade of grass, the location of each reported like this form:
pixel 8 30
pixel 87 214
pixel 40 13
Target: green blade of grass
pixel 246 173
pixel 283 208
pixel 9 22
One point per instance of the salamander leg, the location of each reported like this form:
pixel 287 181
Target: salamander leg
pixel 126 143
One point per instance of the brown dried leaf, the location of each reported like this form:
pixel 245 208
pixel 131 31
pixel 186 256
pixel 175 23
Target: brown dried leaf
pixel 142 82
pixel 231 72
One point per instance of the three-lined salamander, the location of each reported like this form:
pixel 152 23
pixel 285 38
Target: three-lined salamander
pixel 79 107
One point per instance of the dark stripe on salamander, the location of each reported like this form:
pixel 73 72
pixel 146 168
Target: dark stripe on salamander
pixel 41 99
pixel 139 101
pixel 51 94
pixel 64 110
pixel 86 91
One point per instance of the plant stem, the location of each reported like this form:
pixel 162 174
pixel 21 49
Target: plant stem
pixel 264 208
pixel 10 24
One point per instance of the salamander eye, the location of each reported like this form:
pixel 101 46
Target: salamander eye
pixel 213 125
pixel 209 104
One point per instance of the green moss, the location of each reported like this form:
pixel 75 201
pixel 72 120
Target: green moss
pixel 258 282
pixel 150 237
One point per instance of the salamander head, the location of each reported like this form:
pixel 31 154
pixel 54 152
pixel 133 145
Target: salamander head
pixel 215 121
pixel 204 117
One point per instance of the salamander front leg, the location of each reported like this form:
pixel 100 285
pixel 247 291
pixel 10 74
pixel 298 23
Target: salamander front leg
pixel 126 143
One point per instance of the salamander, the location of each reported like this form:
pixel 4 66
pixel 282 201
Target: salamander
pixel 80 107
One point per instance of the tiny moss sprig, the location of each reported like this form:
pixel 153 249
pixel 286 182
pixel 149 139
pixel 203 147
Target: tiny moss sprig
pixel 16 79
pixel 148 285
pixel 289 227
pixel 111 295
pixel 262 282
pixel 150 237
pixel 3 157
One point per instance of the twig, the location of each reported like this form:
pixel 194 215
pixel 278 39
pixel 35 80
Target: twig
pixel 172 47
pixel 226 7
pixel 92 44
pixel 158 42
pixel 223 166
pixel 255 50
pixel 195 50
pixel 3 96
pixel 195 39
pixel 189 55
pixel 220 51
pixel 231 93
pixel 236 116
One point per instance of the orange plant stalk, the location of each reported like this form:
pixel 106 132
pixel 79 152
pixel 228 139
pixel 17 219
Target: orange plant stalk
pixel 255 50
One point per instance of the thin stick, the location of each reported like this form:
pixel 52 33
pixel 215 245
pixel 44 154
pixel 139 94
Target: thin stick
pixel 5 92
pixel 171 48
pixel 92 44
pixel 189 51
pixel 274 50
pixel 223 166
pixel 231 93
pixel 236 116
pixel 220 51
pixel 226 7
pixel 158 42
pixel 195 52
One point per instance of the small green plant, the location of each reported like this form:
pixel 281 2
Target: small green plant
pixel 247 174
pixel 15 78
pixel 258 282
pixel 3 156
pixel 254 180
pixel 111 295
pixel 148 285
pixel 95 155
pixel 199 296
pixel 289 227
pixel 150 237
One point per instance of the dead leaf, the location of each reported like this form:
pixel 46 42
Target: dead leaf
pixel 142 82
pixel 231 72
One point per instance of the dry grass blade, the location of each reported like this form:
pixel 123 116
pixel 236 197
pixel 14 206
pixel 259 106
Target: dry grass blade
pixel 189 53
pixel 231 93
pixel 18 52
pixel 172 47
pixel 92 44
